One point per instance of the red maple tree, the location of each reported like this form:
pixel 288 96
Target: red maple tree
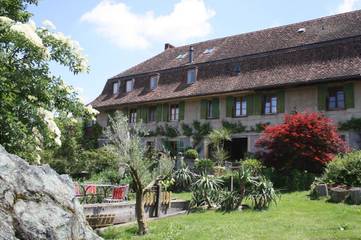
pixel 305 141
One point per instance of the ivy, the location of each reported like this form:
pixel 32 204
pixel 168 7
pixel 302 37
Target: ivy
pixel 159 131
pixel 171 132
pixel 352 124
pixel 260 127
pixel 200 131
pixel 234 127
pixel 187 130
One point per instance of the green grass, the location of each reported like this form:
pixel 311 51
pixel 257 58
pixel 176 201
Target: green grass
pixel 182 196
pixel 295 217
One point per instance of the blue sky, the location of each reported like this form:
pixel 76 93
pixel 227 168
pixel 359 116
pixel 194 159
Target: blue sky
pixel 117 34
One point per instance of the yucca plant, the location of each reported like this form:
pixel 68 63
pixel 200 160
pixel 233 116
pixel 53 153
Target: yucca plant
pixel 183 178
pixel 205 191
pixel 230 201
pixel 262 193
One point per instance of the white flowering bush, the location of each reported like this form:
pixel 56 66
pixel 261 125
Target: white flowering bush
pixel 31 98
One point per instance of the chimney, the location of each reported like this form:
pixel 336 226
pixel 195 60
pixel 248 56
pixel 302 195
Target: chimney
pixel 168 46
pixel 191 54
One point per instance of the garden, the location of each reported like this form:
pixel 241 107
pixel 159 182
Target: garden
pixel 262 198
pixel 302 183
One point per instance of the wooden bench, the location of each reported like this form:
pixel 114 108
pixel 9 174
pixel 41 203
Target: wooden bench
pixel 100 220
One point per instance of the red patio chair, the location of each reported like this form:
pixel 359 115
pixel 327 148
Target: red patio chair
pixel 119 194
pixel 91 189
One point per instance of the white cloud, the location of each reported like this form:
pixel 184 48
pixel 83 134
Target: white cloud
pixel 347 6
pixel 127 29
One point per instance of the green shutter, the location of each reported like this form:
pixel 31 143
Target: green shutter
pixel 158 113
pixel 229 106
pixel 139 113
pixel 349 95
pixel 204 109
pixel 165 112
pixel 181 111
pixel 145 114
pixel 257 104
pixel 250 104
pixel 215 107
pixel 322 97
pixel 281 102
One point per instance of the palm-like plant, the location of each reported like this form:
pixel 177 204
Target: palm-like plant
pixel 204 190
pixel 183 178
pixel 262 193
pixel 217 137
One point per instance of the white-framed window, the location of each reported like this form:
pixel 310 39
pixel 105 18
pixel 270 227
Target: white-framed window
pixel 191 76
pixel 115 88
pixel 240 107
pixel 174 112
pixel 129 85
pixel 154 82
pixel 270 105
pixel 133 115
pixel 336 99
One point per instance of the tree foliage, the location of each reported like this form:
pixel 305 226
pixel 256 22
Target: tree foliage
pixel 31 97
pixel 126 141
pixel 305 141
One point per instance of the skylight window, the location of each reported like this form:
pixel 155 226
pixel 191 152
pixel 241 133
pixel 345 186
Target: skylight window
pixel 301 30
pixel 208 50
pixel 181 56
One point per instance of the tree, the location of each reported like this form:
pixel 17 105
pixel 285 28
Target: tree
pixel 125 139
pixel 217 138
pixel 30 96
pixel 305 141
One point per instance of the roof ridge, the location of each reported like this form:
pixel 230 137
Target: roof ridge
pixel 269 28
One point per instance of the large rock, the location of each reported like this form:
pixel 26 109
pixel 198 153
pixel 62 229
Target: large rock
pixel 38 203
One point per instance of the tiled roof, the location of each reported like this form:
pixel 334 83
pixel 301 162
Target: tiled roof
pixel 328 48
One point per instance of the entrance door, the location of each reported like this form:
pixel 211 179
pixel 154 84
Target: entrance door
pixel 236 148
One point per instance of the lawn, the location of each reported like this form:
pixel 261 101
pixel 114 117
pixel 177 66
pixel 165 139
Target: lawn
pixel 295 217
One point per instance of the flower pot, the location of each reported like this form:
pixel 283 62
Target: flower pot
pixel 338 194
pixel 322 190
pixel 355 195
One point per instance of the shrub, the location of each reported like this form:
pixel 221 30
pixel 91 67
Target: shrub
pixel 262 193
pixel 305 141
pixel 229 201
pixel 205 191
pixel 204 166
pixel 110 176
pixel 254 165
pixel 191 153
pixel 344 169
pixel 294 180
pixel 183 179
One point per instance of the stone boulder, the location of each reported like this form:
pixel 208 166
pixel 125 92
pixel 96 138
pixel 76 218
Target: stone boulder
pixel 38 203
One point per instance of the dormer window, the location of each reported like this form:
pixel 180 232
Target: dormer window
pixel 181 56
pixel 237 68
pixel 191 76
pixel 208 50
pixel 129 85
pixel 115 88
pixel 154 82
